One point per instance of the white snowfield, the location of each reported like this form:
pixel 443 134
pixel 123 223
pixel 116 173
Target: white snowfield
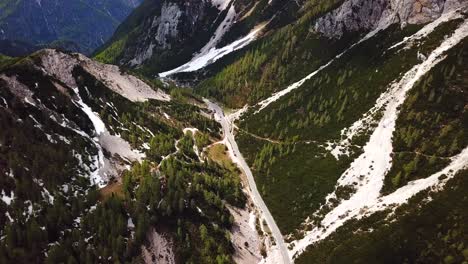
pixel 220 31
pixel 103 167
pixel 208 57
pixel 368 170
pixel 7 199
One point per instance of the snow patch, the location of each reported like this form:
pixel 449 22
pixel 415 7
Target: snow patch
pixel 4 102
pixel 214 54
pixel 47 196
pixel 8 198
pixel 252 218
pixel 221 4
pixel 369 169
pixel 99 126
pixel 220 31
pixel 130 224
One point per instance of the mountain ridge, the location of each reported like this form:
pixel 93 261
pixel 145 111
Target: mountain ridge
pixel 86 24
pixel 235 131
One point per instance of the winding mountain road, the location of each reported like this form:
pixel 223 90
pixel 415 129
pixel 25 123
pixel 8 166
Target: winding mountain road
pixel 239 159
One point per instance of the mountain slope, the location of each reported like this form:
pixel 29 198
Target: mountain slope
pixel 293 140
pixel 77 25
pixel 160 36
pixel 321 133
pixel 97 164
pixel 349 142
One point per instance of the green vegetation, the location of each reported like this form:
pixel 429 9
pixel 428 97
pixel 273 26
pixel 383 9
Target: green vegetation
pixel 188 198
pixel 161 145
pixel 6 61
pixel 337 96
pixel 201 140
pixel 269 64
pixel 433 121
pixel 49 187
pixel 295 184
pixel 218 153
pixel 292 177
pixel 103 236
pixel 420 232
pixel 74 25
pixel 57 211
pixel 111 54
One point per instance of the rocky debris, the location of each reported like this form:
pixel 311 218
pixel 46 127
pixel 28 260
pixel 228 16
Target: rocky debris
pixel 17 88
pixel 352 15
pixel 159 249
pixel 245 238
pixel 60 65
pixel 365 15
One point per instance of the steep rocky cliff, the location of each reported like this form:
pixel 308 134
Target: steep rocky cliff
pixel 162 35
pixel 359 15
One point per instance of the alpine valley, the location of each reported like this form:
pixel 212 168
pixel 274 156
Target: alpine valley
pixel 234 131
pixel 77 25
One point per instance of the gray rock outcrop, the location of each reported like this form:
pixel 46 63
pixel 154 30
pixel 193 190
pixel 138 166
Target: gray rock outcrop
pixel 365 15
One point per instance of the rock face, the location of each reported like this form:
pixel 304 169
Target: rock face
pixel 352 15
pixel 176 22
pixel 163 35
pixel 174 29
pixel 357 15
pixel 160 249
pixel 80 25
pixel 61 66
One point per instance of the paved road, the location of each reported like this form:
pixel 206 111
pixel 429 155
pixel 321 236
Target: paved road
pixel 256 197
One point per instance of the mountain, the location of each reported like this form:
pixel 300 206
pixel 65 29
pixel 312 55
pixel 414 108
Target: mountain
pixel 87 24
pixel 160 35
pixel 91 155
pixel 16 48
pixel 335 118
pixel 235 131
